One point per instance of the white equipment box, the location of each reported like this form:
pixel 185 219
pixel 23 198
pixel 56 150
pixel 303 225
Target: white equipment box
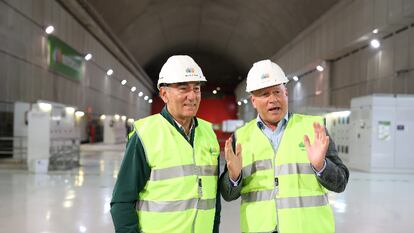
pixel 381 133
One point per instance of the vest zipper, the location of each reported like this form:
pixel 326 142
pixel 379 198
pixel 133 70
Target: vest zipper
pixel 276 181
pixel 276 190
pixel 276 185
pixel 200 192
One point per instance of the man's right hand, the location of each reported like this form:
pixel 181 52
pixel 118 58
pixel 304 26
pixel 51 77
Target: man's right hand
pixel 234 161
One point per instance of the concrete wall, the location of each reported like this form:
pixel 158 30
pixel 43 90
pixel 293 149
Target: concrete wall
pixel 25 75
pixel 340 39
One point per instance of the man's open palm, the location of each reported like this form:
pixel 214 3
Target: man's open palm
pixel 234 161
pixel 317 150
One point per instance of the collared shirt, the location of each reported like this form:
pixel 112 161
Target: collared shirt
pixel 275 136
pixel 188 136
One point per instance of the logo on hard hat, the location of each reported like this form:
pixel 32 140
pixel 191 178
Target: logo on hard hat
pixel 265 76
pixel 190 70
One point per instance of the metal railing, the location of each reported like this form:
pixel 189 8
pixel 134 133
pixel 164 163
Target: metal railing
pixel 18 149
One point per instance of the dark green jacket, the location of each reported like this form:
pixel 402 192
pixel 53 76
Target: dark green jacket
pixel 132 177
pixel 334 177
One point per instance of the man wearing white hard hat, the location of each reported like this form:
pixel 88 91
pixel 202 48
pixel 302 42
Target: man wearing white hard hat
pixel 169 176
pixel 283 164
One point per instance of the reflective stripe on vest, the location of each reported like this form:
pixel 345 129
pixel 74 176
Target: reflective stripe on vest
pixel 184 170
pixel 287 202
pixel 171 206
pixel 283 169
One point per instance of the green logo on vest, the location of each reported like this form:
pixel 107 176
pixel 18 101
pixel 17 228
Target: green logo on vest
pixel 213 151
pixel 302 146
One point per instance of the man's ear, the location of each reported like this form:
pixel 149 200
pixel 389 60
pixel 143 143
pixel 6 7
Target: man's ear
pixel 253 100
pixel 163 94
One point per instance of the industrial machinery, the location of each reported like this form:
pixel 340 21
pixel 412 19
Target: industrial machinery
pixel 53 139
pixel 381 133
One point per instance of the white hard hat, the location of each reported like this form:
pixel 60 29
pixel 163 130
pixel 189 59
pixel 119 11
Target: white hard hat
pixel 179 69
pixel 264 74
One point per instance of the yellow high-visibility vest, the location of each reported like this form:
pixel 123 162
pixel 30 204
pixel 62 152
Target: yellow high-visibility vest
pixel 180 195
pixel 280 190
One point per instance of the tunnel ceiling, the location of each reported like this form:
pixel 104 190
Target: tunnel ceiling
pixel 225 37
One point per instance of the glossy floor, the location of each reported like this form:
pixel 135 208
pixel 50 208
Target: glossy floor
pixel 78 200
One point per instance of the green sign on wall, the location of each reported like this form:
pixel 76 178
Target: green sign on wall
pixel 64 59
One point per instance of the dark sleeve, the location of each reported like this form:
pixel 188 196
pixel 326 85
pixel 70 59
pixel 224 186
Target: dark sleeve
pixel 227 190
pixel 132 177
pixel 216 227
pixel 336 174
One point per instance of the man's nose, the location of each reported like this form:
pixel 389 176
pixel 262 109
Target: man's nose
pixel 273 98
pixel 192 94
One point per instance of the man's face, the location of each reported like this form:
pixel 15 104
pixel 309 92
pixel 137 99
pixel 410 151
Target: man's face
pixel 182 99
pixel 271 103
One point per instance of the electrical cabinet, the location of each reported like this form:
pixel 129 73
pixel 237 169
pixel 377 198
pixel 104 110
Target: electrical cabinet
pixel 381 131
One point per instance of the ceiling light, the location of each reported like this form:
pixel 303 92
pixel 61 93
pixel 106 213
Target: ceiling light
pixel 88 56
pixel 245 101
pixel 239 103
pixel 150 101
pixel 109 72
pixel 123 82
pixel 146 98
pixel 140 94
pixel 82 229
pixel 133 89
pixel 45 107
pixel 123 118
pixel 214 92
pixel 103 117
pixel 295 78
pixel 375 43
pixel 79 113
pixel 70 110
pixel 375 31
pixel 116 117
pixel 319 68
pixel 49 29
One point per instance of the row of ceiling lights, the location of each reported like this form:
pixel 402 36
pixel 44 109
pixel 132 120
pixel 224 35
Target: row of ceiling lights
pixel 374 43
pixel 117 117
pixel 215 91
pixel 50 29
pixel 47 107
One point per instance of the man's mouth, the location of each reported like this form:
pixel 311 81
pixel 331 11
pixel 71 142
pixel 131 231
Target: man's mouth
pixel 274 109
pixel 190 105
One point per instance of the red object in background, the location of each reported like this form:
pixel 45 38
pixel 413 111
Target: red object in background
pixel 91 133
pixel 214 110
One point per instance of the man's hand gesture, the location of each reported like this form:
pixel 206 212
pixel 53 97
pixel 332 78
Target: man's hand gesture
pixel 317 151
pixel 234 161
